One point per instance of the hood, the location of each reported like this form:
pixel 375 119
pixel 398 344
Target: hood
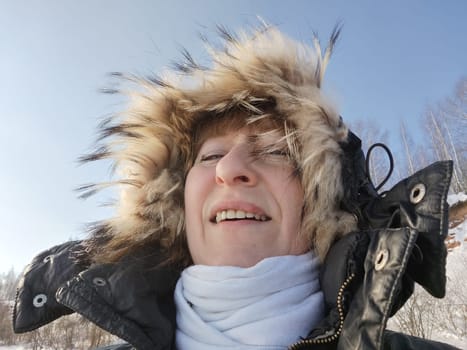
pixel 150 143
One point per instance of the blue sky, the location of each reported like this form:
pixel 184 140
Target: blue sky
pixel 393 59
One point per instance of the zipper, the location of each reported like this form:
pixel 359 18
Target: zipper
pixel 340 310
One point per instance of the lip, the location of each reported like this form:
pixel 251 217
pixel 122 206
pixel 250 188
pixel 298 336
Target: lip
pixel 235 205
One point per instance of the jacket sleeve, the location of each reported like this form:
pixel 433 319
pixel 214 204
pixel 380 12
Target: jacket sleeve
pixel 35 303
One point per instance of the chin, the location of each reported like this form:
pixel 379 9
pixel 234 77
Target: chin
pixel 241 261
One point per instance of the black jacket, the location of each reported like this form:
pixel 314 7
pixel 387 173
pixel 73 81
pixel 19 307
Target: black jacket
pixel 366 277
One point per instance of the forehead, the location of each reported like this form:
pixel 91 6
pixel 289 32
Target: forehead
pixel 256 141
pixel 222 125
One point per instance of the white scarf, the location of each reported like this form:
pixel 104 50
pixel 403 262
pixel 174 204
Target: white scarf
pixel 268 306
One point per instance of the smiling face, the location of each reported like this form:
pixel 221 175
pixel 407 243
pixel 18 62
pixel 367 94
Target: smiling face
pixel 243 202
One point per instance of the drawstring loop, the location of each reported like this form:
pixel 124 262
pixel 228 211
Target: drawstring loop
pixel 367 164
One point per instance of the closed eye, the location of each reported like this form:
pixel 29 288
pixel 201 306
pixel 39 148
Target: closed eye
pixel 279 152
pixel 264 153
pixel 210 157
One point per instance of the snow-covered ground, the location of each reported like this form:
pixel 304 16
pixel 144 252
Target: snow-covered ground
pixel 456 270
pixel 458 197
pixel 460 231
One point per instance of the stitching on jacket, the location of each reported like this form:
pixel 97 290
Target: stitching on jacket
pixel 408 243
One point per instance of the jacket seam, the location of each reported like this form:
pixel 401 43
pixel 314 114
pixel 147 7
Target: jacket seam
pixel 408 244
pixel 443 200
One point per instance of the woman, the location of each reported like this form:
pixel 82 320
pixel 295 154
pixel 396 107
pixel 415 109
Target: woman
pixel 236 181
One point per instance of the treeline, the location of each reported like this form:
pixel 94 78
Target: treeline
pixel 441 134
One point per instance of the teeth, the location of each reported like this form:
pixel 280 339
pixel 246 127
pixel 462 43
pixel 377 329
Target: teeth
pixel 238 214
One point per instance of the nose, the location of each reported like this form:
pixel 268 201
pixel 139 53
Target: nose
pixel 235 168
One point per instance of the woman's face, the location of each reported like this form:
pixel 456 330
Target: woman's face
pixel 242 202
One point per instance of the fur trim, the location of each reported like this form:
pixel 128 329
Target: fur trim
pixel 151 142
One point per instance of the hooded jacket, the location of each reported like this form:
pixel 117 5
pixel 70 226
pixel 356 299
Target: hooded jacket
pixel 123 278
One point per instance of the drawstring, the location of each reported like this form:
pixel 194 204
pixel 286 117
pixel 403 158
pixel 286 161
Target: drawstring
pixel 367 164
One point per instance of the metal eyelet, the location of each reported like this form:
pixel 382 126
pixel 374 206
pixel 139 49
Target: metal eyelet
pixel 417 193
pixel 39 300
pixel 47 258
pixel 99 281
pixel 381 259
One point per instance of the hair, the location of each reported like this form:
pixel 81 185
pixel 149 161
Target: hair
pixel 264 80
pixel 266 119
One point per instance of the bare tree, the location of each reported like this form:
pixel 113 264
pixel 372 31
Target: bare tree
pixel 427 317
pixel 446 126
pixel 408 148
pixel 8 282
pixel 418 315
pixel 370 133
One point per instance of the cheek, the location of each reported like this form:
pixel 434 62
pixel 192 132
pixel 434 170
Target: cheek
pixel 197 188
pixel 292 204
pixel 297 195
pixel 192 195
pixel 191 222
pixel 298 240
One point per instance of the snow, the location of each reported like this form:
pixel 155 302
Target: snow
pixel 457 197
pixel 456 268
pixel 459 232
